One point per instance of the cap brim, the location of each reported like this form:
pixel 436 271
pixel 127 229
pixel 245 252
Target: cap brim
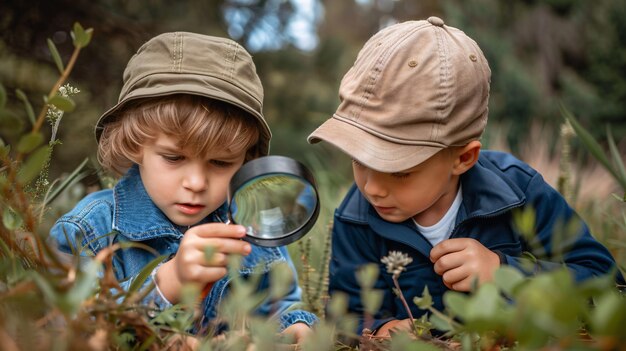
pixel 370 150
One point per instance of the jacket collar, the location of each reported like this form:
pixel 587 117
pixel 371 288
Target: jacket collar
pixel 136 217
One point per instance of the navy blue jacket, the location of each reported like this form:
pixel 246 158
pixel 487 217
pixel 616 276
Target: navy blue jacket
pixel 492 189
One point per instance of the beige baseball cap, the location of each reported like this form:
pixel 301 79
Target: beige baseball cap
pixel 416 87
pixel 197 64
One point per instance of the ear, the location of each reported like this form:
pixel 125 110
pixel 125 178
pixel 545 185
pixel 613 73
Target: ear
pixel 466 157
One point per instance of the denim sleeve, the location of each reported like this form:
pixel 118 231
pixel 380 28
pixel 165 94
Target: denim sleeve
pixel 66 237
pixel 73 239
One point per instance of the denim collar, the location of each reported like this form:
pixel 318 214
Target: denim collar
pixel 136 217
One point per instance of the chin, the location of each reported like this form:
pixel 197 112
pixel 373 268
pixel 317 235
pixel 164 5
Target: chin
pixel 394 218
pixel 185 221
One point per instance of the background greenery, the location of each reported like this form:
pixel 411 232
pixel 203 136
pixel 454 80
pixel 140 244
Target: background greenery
pixel 542 53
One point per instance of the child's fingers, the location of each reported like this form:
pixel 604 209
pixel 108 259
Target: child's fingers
pixel 218 259
pixel 227 246
pixel 448 262
pixel 454 279
pixel 446 247
pixel 218 230
pixel 201 274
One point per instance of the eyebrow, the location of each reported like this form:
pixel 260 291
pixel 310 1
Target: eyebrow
pixel 167 148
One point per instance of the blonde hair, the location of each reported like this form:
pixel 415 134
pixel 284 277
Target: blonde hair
pixel 199 124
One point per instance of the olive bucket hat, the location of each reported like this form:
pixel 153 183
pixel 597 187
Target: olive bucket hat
pixel 196 64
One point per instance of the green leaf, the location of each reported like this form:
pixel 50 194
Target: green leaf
pixel 84 286
pixel 3 96
pixel 209 251
pixel 10 122
pixel 46 289
pixel 27 106
pixel 33 165
pixel 63 103
pixel 338 305
pixel 70 180
pixel 524 221
pixel 4 149
pixel 617 160
pixel 404 342
pixel 6 251
pixel 367 275
pixel 372 299
pixel 29 142
pixel 507 278
pixel 440 323
pixel 143 275
pixel 456 303
pixel 281 279
pixel 55 56
pixel 483 305
pixel 425 301
pixel 590 143
pixel 11 219
pixel 609 316
pixel 80 36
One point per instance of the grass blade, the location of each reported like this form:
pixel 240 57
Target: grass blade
pixel 617 160
pixel 590 143
pixel 143 275
pixel 73 178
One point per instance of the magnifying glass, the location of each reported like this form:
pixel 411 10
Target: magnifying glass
pixel 275 198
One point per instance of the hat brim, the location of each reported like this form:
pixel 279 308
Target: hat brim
pixel 370 150
pixel 207 90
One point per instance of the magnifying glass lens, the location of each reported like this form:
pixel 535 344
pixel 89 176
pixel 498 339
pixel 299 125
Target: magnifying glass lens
pixel 272 206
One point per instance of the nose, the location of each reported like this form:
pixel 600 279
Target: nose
pixel 374 184
pixel 195 178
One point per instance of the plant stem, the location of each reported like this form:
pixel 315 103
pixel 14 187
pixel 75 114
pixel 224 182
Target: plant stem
pixel 57 85
pixel 406 305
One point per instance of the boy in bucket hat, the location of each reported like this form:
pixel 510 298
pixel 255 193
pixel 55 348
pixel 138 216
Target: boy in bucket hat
pixel 189 115
pixel 413 108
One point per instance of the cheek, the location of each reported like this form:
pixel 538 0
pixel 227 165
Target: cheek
pixel 358 176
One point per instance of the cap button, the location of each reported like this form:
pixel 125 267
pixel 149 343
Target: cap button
pixel 435 21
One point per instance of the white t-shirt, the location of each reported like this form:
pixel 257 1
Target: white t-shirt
pixel 442 229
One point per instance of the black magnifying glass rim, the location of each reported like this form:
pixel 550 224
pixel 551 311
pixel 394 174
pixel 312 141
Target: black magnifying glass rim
pixel 267 166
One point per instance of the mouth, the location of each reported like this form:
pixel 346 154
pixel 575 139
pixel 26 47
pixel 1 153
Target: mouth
pixel 190 209
pixel 383 209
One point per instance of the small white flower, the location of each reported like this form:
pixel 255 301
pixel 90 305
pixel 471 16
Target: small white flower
pixel 396 262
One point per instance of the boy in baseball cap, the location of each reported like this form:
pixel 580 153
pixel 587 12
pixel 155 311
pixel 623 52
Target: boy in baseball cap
pixel 188 116
pixel 413 108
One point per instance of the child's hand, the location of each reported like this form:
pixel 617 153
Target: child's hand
pixel 395 326
pixel 190 264
pixel 299 331
pixel 461 260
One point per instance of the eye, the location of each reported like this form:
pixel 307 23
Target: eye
pixel 400 175
pixel 173 158
pixel 221 164
pixel 357 163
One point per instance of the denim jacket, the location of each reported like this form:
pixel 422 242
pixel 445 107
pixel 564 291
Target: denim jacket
pixel 492 189
pixel 127 214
